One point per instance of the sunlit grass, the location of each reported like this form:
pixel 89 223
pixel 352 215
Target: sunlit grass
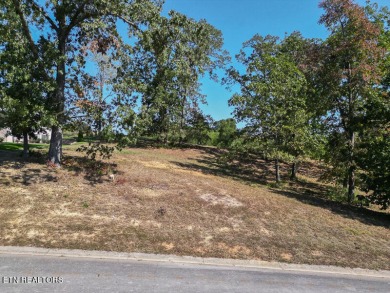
pixel 10 146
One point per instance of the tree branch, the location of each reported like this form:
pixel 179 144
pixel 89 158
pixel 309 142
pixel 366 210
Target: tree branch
pixel 126 21
pixel 26 30
pixel 75 19
pixel 38 8
pixel 79 17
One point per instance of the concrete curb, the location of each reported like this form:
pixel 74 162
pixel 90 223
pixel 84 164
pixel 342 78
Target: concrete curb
pixel 228 263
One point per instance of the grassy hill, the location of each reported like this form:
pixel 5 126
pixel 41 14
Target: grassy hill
pixel 185 202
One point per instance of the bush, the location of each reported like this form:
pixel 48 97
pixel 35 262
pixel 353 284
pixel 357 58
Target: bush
pixel 80 136
pixel 338 193
pixel 94 150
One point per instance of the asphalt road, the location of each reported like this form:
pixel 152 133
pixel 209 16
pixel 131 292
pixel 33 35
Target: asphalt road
pixel 43 273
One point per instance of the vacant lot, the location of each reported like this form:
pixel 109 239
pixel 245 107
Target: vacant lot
pixel 183 201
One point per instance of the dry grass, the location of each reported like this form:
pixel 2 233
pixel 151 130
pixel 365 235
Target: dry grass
pixel 182 202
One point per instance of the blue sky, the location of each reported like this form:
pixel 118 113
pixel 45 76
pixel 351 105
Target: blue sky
pixel 239 20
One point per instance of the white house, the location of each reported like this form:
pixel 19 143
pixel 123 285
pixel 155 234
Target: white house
pixel 42 137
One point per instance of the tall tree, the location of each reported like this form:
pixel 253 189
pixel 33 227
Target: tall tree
pixel 271 101
pixel 70 25
pixel 308 139
pixel 169 59
pixel 374 154
pixel 348 73
pixel 22 86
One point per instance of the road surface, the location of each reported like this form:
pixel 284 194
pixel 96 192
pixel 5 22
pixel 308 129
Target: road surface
pixel 32 272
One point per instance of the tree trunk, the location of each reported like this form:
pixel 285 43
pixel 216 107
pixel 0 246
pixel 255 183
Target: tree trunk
pixel 100 111
pixel 293 171
pixel 99 127
pixel 351 184
pixel 25 144
pixel 181 131
pixel 351 134
pixel 277 171
pixel 351 169
pixel 345 181
pixel 55 149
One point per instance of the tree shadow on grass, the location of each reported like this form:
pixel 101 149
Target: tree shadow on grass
pixel 31 176
pixel 26 176
pixel 247 169
pixel 361 214
pixel 94 171
pixel 252 170
pixel 214 167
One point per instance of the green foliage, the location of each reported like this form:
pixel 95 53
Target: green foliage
pixel 80 136
pixel 198 129
pixel 376 164
pixel 22 85
pixel 374 152
pixel 227 132
pixel 337 193
pixel 165 66
pixel 336 151
pixel 272 101
pixel 96 150
pixel 213 134
pixel 62 32
pixel 350 69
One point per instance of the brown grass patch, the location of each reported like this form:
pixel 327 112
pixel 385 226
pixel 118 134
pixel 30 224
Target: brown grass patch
pixel 182 202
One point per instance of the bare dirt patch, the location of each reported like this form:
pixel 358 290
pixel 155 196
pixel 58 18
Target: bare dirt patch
pixel 225 200
pixel 180 202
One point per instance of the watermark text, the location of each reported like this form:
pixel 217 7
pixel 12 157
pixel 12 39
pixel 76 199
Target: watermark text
pixel 31 280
